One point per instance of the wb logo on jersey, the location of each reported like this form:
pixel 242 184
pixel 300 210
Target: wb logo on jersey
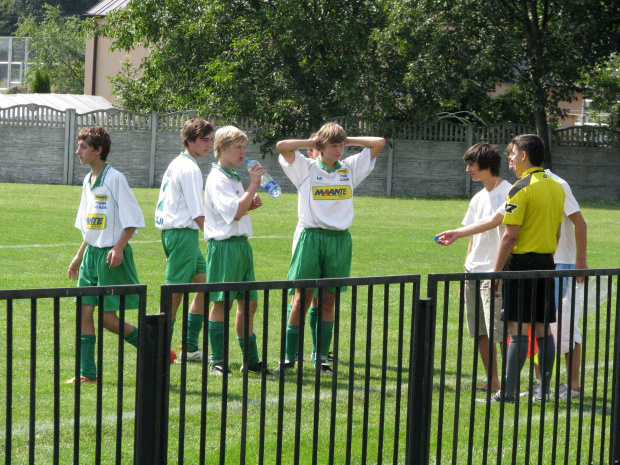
pixel 510 207
pixel 331 192
pixel 96 222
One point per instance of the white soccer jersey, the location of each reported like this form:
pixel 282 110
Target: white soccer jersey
pixel 222 192
pixel 107 208
pixel 180 196
pixel 485 245
pixel 566 252
pixel 325 198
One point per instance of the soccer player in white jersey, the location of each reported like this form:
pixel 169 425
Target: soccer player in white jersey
pixel 108 217
pixel 483 164
pixel 325 189
pixel 180 216
pixel 229 254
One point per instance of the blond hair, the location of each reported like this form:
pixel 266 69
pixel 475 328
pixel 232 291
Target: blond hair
pixel 226 136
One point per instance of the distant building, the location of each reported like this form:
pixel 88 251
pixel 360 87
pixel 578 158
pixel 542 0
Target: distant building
pixel 102 63
pixel 13 61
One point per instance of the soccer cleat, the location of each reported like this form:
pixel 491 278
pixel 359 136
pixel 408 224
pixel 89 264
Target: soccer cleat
pixel 535 388
pixel 539 398
pixel 563 392
pixel 195 356
pixel 498 397
pixel 325 368
pixel 282 367
pixel 173 356
pixel 258 368
pixel 82 380
pixel 218 370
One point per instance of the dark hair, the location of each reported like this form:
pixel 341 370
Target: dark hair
pixel 194 129
pixel 532 145
pixel 486 155
pixel 96 136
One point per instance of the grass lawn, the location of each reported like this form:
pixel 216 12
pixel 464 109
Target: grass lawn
pixel 391 236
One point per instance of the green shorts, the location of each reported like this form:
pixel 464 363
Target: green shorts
pixel 95 271
pixel 322 253
pixel 185 260
pixel 230 260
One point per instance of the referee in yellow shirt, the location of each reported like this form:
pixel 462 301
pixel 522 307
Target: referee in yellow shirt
pixel 533 216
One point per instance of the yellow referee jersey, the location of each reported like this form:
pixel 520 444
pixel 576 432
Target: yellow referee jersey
pixel 535 202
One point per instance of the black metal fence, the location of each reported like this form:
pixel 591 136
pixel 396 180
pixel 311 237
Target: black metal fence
pixel 403 387
pixel 472 429
pixel 43 420
pixel 357 414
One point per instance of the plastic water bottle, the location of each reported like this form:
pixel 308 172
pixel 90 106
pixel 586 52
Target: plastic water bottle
pixel 266 181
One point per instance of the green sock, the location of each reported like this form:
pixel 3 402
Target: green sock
pixel 172 330
pixel 326 338
pixel 132 337
pixel 252 349
pixel 216 340
pixel 292 341
pixel 194 326
pixel 312 319
pixel 88 367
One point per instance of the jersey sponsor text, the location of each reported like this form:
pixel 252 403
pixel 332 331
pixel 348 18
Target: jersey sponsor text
pixel 96 222
pixel 331 192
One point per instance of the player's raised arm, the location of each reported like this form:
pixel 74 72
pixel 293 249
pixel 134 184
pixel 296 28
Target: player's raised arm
pixel 287 147
pixel 375 144
pixel 450 236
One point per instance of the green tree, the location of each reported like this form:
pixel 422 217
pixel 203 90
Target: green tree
pixel 36 8
pixel 603 87
pixel 8 18
pixel 290 64
pixel 41 83
pixel 57 47
pixel 457 51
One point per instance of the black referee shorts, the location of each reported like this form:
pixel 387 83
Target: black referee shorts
pixel 523 303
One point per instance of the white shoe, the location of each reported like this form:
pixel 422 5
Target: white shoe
pixel 195 356
pixel 564 394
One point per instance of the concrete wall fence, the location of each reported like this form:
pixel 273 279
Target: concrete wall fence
pixel 422 160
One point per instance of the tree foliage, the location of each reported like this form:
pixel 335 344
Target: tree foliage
pixel 457 51
pixel 292 64
pixel 56 47
pixel 36 8
pixel 41 83
pixel 603 85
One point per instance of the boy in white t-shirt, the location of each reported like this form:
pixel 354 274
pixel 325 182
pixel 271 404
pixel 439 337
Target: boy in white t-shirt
pixel 325 206
pixel 570 255
pixel 180 216
pixel 108 216
pixel 483 164
pixel 229 254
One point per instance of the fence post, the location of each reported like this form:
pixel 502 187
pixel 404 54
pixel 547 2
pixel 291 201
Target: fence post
pixel 152 391
pixel 615 392
pixel 67 172
pixel 390 168
pixel 420 384
pixel 154 122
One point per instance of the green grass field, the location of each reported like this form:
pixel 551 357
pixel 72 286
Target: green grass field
pixel 391 236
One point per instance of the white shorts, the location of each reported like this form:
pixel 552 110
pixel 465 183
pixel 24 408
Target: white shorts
pixel 562 340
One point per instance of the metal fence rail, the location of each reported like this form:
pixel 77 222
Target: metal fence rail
pixel 304 416
pixel 40 348
pixel 471 429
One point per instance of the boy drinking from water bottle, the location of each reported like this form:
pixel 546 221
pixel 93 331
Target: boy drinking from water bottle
pixel 229 254
pixel 325 204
